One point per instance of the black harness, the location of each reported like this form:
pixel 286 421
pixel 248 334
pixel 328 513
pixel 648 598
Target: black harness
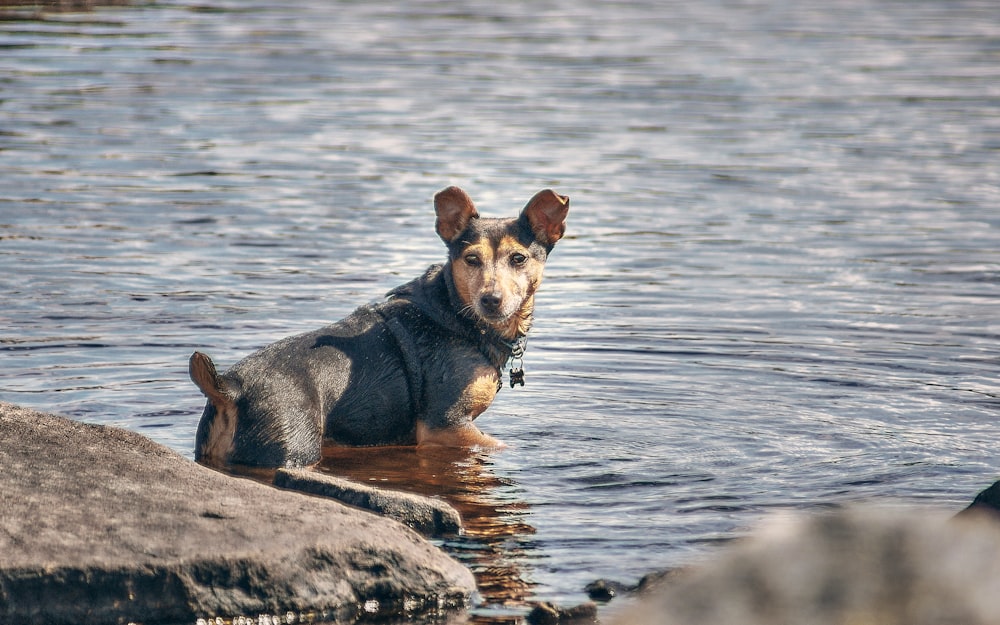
pixel 424 303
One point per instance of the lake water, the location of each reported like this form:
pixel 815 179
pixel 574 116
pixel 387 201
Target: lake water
pixel 780 287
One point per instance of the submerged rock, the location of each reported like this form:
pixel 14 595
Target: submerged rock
pixel 546 613
pixel 846 567
pixel 604 590
pixel 430 517
pixel 101 525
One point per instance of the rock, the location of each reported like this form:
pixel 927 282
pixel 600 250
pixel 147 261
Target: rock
pixel 605 589
pixel 987 501
pixel 101 525
pixel 428 516
pixel 846 567
pixel 652 581
pixel 545 613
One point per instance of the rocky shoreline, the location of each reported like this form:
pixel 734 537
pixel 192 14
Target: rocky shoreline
pixel 101 525
pixel 853 565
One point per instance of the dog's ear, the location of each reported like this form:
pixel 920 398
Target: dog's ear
pixel 546 214
pixel 454 210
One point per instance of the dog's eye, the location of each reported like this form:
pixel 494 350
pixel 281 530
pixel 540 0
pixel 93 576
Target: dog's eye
pixel 518 259
pixel 472 260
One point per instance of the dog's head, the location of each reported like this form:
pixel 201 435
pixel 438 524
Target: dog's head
pixel 496 264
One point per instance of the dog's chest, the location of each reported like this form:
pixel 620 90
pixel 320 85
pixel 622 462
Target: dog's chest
pixel 478 394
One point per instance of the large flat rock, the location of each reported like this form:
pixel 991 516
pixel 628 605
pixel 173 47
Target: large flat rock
pixel 101 525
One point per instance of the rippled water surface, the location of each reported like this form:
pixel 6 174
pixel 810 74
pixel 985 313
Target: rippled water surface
pixel 780 286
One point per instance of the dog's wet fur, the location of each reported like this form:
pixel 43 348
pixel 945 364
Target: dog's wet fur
pixel 416 368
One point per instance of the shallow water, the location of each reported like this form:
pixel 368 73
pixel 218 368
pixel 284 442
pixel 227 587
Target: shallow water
pixel 779 288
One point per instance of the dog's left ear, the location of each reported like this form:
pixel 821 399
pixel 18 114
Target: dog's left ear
pixel 546 213
pixel 454 210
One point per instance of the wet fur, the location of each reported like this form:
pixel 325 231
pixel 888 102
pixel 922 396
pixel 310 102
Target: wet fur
pixel 417 368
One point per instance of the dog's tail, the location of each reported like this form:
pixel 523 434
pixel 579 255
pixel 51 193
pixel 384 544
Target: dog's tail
pixel 217 429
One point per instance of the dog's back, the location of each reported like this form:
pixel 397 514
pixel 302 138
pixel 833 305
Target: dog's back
pixel 284 392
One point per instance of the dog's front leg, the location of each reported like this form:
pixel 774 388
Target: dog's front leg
pixel 448 421
pixel 463 435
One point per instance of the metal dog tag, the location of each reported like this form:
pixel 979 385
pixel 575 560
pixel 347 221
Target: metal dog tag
pixel 516 377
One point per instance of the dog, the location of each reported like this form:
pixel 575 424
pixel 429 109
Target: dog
pixel 414 369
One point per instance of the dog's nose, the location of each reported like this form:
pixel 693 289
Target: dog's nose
pixel 490 303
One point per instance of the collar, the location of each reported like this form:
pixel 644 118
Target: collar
pixel 435 295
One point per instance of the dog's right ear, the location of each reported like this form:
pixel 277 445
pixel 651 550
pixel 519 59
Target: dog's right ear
pixel 454 210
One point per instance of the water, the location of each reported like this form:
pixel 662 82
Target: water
pixel 779 288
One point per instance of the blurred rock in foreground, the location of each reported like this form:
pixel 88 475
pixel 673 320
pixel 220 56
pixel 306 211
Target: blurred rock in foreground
pixel 851 567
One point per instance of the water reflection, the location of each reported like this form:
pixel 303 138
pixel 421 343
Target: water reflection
pixel 496 544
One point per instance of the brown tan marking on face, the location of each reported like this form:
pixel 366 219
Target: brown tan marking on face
pixel 468 271
pixel 497 284
pixel 519 275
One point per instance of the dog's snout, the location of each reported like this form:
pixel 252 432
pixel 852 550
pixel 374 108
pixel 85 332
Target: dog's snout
pixel 490 303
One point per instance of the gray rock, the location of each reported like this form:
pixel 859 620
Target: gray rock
pixel 428 516
pixel 988 501
pixel 901 568
pixel 101 525
pixel 604 590
pixel 547 613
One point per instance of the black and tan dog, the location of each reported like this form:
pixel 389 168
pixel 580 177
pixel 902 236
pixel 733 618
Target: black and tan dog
pixel 416 368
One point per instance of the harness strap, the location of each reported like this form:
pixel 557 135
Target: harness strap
pixel 411 365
